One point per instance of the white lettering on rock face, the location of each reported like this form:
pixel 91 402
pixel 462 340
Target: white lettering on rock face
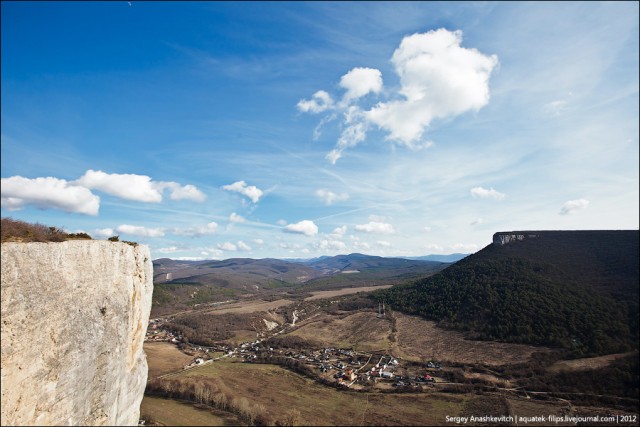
pixel 74 317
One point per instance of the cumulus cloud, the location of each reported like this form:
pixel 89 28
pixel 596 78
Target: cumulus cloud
pixel 438 79
pixel 140 188
pixel 228 246
pixel 339 232
pixel 328 244
pixel 483 193
pixel 306 227
pixel 319 102
pixel 258 241
pixel 136 230
pixel 197 231
pixel 234 217
pixel 250 191
pixel 360 81
pixel 125 186
pixel 329 197
pixel 47 193
pixel 186 192
pixel 376 227
pixel 573 206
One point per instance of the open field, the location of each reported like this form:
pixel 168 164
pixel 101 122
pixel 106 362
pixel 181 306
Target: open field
pixel 419 339
pixel 281 391
pixel 586 363
pixel 363 331
pixel 164 357
pixel 175 413
pixel 344 291
pixel 244 307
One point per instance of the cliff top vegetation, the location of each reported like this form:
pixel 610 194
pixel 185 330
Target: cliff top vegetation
pixel 19 231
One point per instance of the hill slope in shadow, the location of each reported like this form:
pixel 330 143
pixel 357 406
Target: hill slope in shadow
pixel 571 289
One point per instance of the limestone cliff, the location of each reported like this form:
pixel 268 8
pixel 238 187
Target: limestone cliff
pixel 74 317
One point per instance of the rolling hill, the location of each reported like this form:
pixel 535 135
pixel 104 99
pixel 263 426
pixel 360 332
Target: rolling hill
pixel 572 289
pixel 183 284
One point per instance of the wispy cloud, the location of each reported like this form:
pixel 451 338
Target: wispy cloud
pixel 329 197
pixel 197 231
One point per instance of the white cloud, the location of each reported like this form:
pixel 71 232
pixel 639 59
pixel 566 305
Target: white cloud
pixel 383 243
pixel 327 244
pixel 136 230
pixel 339 232
pixel 438 79
pixel 376 227
pixel 186 192
pixel 573 206
pixel 234 217
pixel 169 250
pixel 127 186
pixel 243 246
pixel 102 232
pixel 47 193
pixel 197 231
pixel 228 246
pixel 360 81
pixel 306 227
pixel 329 197
pixel 354 133
pixel 319 102
pixel 250 191
pixel 483 193
pixel 281 222
pixel 140 188
pixel 426 228
pixel 258 241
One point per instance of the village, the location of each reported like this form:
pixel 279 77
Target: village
pixel 346 368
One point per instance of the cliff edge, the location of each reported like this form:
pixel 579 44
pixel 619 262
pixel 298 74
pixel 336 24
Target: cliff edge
pixel 74 317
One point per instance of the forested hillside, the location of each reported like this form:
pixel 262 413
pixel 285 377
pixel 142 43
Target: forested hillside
pixel 576 290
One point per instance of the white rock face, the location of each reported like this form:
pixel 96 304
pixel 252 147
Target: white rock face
pixel 74 317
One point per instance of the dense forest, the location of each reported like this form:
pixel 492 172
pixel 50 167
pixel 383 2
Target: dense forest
pixel 576 290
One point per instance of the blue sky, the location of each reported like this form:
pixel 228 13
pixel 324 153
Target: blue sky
pixel 219 130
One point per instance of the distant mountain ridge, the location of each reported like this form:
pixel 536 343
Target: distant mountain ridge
pixel 257 271
pixel 571 289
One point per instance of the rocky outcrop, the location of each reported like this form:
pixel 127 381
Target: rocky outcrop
pixel 74 317
pixel 502 238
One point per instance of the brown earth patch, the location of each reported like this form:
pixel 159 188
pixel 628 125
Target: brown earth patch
pixel 164 357
pixel 586 364
pixel 419 339
pixel 363 331
pixel 345 291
